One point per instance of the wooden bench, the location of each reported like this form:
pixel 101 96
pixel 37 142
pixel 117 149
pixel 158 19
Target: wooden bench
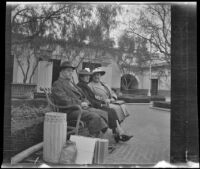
pixel 78 123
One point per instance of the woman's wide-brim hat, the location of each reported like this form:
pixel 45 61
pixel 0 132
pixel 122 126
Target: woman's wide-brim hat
pixel 66 64
pixel 98 70
pixel 84 72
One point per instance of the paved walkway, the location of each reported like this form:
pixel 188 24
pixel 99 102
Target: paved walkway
pixel 150 144
pixel 151 141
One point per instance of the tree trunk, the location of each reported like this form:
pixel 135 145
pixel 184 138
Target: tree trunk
pixel 36 65
pixel 27 70
pixel 20 65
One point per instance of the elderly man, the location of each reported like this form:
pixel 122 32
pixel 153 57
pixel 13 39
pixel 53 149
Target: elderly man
pixel 65 92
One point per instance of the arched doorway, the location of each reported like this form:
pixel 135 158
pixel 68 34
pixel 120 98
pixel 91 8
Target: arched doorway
pixel 128 82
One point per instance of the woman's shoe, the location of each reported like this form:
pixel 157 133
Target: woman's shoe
pixel 122 137
pixel 125 138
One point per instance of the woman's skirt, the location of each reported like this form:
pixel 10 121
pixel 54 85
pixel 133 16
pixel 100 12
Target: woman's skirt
pixel 121 111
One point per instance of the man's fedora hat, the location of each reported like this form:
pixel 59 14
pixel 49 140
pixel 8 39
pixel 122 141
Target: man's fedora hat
pixel 66 64
pixel 98 70
pixel 84 72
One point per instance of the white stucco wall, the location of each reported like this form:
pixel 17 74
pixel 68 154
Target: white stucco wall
pixel 112 76
pixel 164 82
pixel 44 74
pixel 145 81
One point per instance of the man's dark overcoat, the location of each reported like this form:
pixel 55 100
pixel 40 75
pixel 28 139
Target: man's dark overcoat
pixel 66 93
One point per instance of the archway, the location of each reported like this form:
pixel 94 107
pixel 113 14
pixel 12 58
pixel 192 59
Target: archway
pixel 128 82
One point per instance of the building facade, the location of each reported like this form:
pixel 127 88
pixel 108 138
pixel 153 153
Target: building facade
pixel 157 76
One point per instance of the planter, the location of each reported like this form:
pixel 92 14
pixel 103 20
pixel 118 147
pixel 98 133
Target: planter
pixel 157 98
pixel 21 90
pixel 134 99
pixel 130 98
pixel 162 104
pixel 141 92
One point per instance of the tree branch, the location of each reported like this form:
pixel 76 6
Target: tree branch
pixel 163 20
pixel 36 65
pixel 19 63
pixel 27 70
pixel 18 14
pixel 156 45
pixel 43 20
pixel 164 26
pixel 160 42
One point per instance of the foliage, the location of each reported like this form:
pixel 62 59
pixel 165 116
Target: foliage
pixel 135 55
pixel 128 81
pixel 135 49
pixel 107 15
pixel 71 22
pixel 127 43
pixel 142 53
pixel 29 25
pixel 69 26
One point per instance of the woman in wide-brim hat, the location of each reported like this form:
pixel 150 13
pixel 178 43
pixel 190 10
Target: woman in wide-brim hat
pixel 84 72
pixel 103 92
pixel 98 71
pixel 84 76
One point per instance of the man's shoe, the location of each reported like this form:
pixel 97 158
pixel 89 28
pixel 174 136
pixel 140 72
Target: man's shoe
pixel 125 137
pixel 111 148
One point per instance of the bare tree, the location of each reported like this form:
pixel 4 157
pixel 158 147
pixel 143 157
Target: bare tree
pixel 154 25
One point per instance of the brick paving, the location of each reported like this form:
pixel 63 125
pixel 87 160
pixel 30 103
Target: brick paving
pixel 151 141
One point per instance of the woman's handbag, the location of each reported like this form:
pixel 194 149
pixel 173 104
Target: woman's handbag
pixel 69 153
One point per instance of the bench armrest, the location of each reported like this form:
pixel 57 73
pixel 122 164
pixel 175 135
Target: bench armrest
pixel 47 92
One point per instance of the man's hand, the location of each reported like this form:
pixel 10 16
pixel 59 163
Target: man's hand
pixel 84 104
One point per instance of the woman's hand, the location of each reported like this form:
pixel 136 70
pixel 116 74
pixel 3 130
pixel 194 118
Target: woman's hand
pixel 112 100
pixel 107 102
pixel 104 105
